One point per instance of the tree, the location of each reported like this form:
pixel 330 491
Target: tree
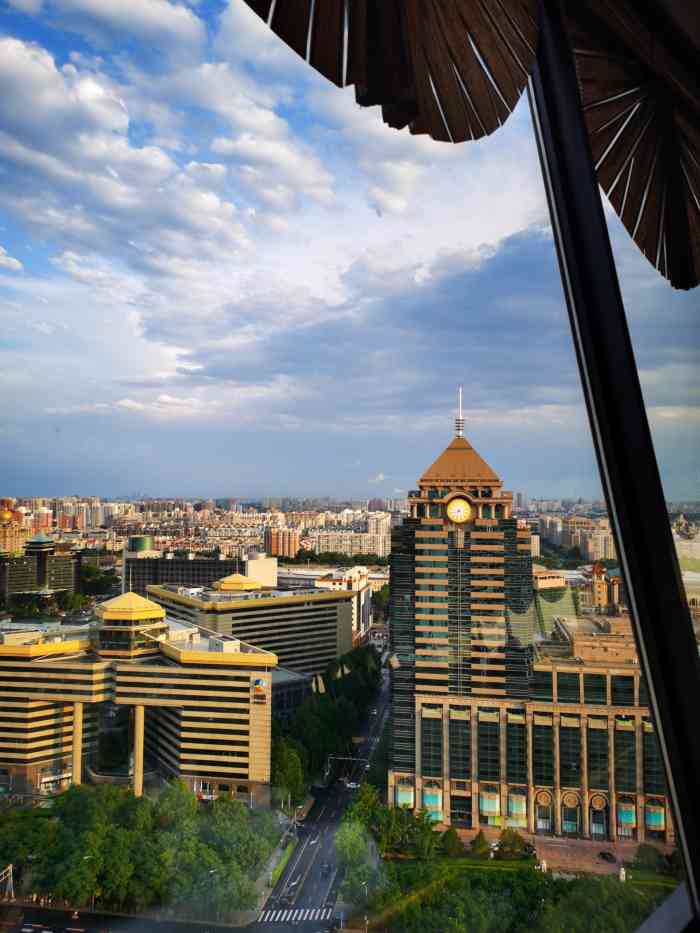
pixel 358 884
pixel 479 845
pixel 512 845
pixel 366 807
pixel 451 843
pixel 648 857
pixel 176 804
pixel 597 905
pixel 426 840
pixel 287 774
pixel 380 602
pixel 351 843
pixel 117 866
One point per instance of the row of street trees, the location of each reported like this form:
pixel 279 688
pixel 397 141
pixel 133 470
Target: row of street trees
pixel 325 723
pixel 103 844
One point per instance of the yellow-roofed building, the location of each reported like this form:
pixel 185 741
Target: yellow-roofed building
pixel 306 629
pixel 236 583
pixel 201 702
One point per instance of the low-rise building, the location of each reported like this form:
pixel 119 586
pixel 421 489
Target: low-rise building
pixel 200 701
pixel 351 579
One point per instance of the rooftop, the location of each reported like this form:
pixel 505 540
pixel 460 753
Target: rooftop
pixel 236 583
pixel 131 607
pixel 459 463
pixel 203 594
pixel 193 644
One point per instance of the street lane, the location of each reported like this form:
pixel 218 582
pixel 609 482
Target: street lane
pixel 305 896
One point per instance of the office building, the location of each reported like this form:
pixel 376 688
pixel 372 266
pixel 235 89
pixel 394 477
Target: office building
pixel 281 542
pixel 145 566
pixel 305 629
pixel 200 702
pixel 39 571
pixel 353 579
pixel 509 709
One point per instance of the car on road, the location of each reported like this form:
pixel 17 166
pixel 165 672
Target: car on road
pixel 352 785
pixel 373 711
pixel 607 857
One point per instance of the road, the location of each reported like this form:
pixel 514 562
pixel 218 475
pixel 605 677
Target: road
pixel 304 898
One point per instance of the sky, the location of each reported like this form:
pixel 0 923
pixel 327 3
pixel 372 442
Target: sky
pixel 220 276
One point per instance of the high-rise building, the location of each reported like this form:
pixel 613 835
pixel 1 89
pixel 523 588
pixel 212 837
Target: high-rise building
pixel 379 523
pixel 282 542
pixel 510 709
pixel 462 615
pixel 39 571
pixel 12 534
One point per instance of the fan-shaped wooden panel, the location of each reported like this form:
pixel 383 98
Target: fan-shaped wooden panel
pixel 453 69
pixel 645 138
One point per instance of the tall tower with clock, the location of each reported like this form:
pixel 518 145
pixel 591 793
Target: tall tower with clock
pixel 462 611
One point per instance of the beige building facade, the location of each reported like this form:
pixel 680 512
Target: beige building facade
pixel 305 629
pixel 201 702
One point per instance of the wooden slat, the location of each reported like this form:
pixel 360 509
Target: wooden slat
pixel 357 44
pixel 261 7
pixel 327 41
pixel 291 23
pixel 640 141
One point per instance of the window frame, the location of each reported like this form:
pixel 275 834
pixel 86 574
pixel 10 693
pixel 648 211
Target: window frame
pixel 622 440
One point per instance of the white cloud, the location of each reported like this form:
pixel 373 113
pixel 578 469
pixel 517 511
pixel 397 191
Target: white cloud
pixel 9 262
pixel 283 161
pixel 171 27
pixel 379 478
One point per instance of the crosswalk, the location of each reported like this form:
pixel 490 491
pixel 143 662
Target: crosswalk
pixel 295 915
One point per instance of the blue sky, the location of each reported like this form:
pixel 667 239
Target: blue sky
pixel 218 275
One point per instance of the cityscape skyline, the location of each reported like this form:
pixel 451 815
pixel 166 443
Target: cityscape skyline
pixel 258 282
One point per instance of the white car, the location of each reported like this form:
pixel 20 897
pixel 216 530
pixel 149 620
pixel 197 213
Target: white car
pixel 352 785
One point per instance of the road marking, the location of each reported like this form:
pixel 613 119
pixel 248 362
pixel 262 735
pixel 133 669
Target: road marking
pixel 297 915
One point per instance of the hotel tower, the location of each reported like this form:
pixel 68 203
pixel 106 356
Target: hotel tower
pixel 509 707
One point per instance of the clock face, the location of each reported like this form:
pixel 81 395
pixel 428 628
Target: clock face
pixel 459 511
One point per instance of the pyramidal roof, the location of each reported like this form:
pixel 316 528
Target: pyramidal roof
pixel 459 463
pixel 236 582
pixel 130 606
pixel 40 538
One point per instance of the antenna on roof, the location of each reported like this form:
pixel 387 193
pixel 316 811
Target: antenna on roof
pixel 459 420
pixel 131 570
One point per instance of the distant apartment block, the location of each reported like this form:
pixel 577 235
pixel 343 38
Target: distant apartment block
pixel 281 542
pixel 352 543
